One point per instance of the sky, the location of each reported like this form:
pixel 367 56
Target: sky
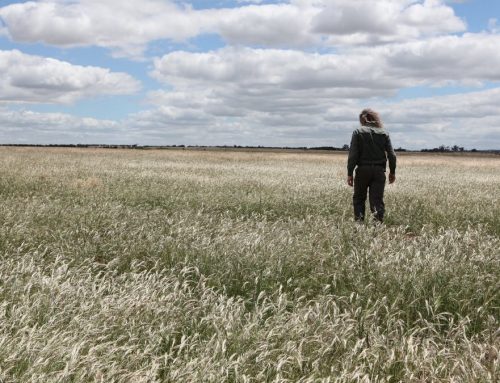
pixel 236 72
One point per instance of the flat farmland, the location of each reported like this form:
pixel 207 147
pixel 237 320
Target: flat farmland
pixel 235 266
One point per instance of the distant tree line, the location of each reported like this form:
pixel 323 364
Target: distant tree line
pixel 445 149
pixel 345 147
pixel 135 146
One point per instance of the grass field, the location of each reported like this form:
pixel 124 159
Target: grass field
pixel 213 266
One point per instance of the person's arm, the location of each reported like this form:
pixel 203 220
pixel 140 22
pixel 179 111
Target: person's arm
pixel 353 157
pixel 391 156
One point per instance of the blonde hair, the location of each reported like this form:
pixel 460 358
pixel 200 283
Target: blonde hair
pixel 369 117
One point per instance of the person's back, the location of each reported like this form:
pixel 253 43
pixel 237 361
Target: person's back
pixel 370 148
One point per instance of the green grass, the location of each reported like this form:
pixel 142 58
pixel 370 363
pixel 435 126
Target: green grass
pixel 187 266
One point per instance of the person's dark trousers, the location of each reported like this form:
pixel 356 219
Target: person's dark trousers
pixel 370 178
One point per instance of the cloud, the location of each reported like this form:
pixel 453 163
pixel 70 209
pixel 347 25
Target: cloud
pixel 124 26
pixel 470 120
pixel 288 97
pixel 27 78
pixel 384 21
pixel 470 59
pixel 28 127
pixel 261 95
pixel 261 69
pixel 269 25
pixel 356 73
pixel 470 105
pixel 128 27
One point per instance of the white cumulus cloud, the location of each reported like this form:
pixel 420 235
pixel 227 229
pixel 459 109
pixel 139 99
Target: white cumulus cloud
pixel 128 27
pixel 469 119
pixel 384 21
pixel 28 78
pixel 28 127
pixel 356 73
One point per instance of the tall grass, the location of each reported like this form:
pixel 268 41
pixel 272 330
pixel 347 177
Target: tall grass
pixel 205 266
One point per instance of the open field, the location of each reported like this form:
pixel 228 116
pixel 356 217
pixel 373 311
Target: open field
pixel 213 266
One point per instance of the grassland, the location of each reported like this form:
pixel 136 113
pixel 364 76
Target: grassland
pixel 205 266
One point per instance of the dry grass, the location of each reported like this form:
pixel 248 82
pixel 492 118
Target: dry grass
pixel 213 266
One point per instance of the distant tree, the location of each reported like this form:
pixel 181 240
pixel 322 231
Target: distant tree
pixel 345 147
pixel 445 149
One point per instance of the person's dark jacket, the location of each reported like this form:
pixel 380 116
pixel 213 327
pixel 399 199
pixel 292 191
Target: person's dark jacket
pixel 369 146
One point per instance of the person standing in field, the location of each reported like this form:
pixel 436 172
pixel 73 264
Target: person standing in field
pixel 370 149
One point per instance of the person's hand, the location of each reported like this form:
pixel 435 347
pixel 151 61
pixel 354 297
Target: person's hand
pixel 350 181
pixel 392 178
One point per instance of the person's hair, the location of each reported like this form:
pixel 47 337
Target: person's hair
pixel 369 117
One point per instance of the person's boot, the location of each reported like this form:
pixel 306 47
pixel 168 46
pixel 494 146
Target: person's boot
pixel 378 215
pixel 359 213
